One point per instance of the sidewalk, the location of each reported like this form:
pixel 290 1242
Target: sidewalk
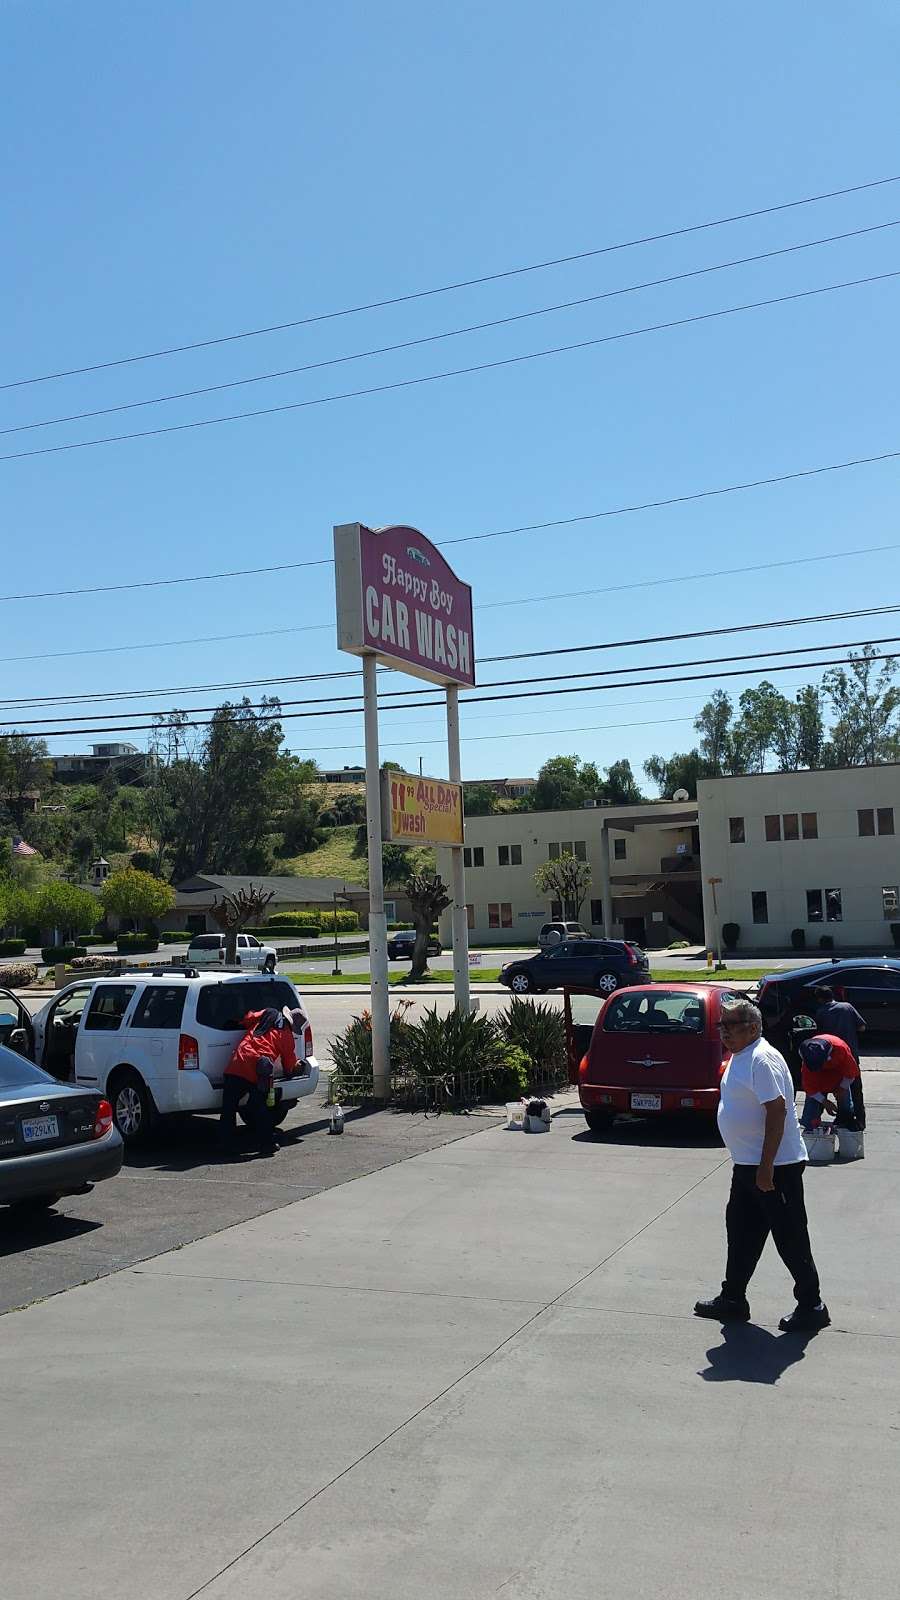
pixel 472 1373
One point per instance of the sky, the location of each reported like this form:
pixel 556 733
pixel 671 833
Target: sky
pixel 176 173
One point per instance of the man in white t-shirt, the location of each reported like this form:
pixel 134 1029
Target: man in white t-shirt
pixel 758 1123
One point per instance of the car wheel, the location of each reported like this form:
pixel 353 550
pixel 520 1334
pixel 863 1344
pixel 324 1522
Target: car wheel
pixel 269 964
pixel 276 1116
pixel 607 982
pixel 520 983
pixel 599 1121
pixel 134 1113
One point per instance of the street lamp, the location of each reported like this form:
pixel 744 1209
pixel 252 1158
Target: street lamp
pixel 336 970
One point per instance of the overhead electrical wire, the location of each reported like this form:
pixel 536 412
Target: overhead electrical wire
pixel 472 538
pixel 453 372
pixel 450 288
pixel 99 696
pixel 470 699
pixel 448 333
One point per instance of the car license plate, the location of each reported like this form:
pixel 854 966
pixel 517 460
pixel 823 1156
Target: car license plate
pixel 34 1129
pixel 646 1102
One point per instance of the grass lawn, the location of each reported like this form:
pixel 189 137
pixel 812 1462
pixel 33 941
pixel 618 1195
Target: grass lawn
pixel 491 974
pixel 336 858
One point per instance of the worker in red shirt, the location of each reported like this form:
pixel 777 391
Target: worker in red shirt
pixel 830 1067
pixel 268 1040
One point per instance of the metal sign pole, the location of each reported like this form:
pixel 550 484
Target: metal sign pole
pixel 460 921
pixel 378 957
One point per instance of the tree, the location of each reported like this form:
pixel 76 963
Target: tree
pixel 763 710
pixel 713 723
pixel 300 830
pixel 809 728
pixel 59 905
pixel 563 784
pixel 136 896
pixel 479 800
pixel 234 911
pixel 679 771
pixel 24 768
pixel 620 785
pixel 865 700
pixel 221 797
pixel 567 879
pixel 428 897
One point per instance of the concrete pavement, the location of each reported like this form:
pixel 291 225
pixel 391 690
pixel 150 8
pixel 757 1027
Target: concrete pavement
pixel 472 1373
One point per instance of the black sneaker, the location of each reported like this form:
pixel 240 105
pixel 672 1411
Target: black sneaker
pixel 723 1309
pixel 806 1319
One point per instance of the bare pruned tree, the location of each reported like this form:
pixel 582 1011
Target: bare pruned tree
pixel 234 911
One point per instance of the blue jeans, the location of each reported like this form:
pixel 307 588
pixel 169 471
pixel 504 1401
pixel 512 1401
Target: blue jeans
pixel 814 1105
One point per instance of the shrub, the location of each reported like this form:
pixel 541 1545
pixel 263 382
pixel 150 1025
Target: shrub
pixel 826 942
pixel 731 932
pixel 678 944
pixel 291 920
pixel 176 937
pixel 54 953
pixel 12 947
pixel 397 927
pixel 20 974
pixel 459 1044
pixel 133 943
pixel 798 938
pixel 351 1052
pixel 539 1032
pixel 95 964
pixel 94 938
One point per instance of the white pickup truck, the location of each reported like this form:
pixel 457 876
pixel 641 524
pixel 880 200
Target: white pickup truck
pixel 155 1043
pixel 208 950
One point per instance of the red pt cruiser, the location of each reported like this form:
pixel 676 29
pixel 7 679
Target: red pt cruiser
pixel 654 1050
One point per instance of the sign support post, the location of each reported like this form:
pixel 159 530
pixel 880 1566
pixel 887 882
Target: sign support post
pixel 459 917
pixel 378 957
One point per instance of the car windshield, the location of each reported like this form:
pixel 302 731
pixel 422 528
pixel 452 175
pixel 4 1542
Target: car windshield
pixel 16 1071
pixel 224 1005
pixel 661 1011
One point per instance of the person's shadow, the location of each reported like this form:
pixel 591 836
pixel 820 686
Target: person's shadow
pixel 749 1354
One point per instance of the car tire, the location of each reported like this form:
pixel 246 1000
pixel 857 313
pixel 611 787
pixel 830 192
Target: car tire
pixel 599 1121
pixel 277 1115
pixel 269 964
pixel 520 983
pixel 134 1112
pixel 606 983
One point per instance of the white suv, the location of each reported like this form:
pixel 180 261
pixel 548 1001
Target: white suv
pixel 208 950
pixel 159 1042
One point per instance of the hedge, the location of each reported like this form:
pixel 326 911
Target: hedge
pixel 12 947
pixel 95 964
pixel 182 936
pixel 94 938
pixel 290 921
pixel 132 943
pixel 54 953
pixel 298 930
pixel 20 974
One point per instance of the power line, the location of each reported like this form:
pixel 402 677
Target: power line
pixel 450 288
pixel 481 699
pixel 100 696
pixel 498 533
pixel 453 372
pixel 449 333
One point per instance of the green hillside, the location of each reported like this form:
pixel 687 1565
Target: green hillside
pixel 336 859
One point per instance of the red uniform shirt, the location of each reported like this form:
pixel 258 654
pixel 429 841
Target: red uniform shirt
pixel 840 1064
pixel 276 1043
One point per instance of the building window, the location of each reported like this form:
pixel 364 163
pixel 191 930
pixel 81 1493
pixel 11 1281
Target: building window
pixel 493 916
pixel 553 852
pixel 509 855
pixel 506 914
pixel 596 913
pixel 890 900
pixel 814 905
pixel 773 829
pixel 478 856
pixel 503 855
pixel 467 857
pixel 470 917
pixel 833 908
pixel 865 821
pixel 580 850
pixel 885 819
pixel 791 823
pixel 736 830
pixel 810 824
pixel 760 905
pixel 619 849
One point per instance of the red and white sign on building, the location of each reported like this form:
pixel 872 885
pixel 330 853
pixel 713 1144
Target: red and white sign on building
pixel 398 599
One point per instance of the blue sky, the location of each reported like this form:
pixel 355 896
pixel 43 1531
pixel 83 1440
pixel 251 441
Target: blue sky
pixel 175 172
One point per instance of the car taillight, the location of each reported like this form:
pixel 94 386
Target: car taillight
pixel 188 1054
pixel 582 1067
pixel 307 1041
pixel 632 956
pixel 103 1119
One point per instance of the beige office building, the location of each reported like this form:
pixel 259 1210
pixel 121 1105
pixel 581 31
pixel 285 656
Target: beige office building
pixel 645 872
pixel 810 850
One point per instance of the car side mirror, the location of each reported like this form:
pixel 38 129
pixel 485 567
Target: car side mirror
pixel 18 1041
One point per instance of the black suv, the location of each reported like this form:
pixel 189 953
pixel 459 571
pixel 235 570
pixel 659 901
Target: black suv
pixel 597 966
pixel 871 985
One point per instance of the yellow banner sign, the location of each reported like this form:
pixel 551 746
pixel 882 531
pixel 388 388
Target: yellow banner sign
pixel 421 810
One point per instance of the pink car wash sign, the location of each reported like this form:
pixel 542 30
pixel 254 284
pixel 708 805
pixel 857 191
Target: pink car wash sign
pixel 398 599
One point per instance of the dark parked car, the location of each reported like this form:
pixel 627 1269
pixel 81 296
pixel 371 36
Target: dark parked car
pixel 596 965
pixel 400 944
pixel 870 984
pixel 54 1139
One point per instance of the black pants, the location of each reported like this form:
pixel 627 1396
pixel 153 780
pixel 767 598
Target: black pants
pixel 256 1111
pixel 751 1216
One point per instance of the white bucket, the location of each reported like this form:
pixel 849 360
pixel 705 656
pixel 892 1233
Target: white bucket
pixel 515 1115
pixel 819 1145
pixel 851 1145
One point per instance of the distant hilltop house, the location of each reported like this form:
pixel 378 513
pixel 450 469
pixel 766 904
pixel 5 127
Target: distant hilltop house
pixel 129 764
pixel 507 788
